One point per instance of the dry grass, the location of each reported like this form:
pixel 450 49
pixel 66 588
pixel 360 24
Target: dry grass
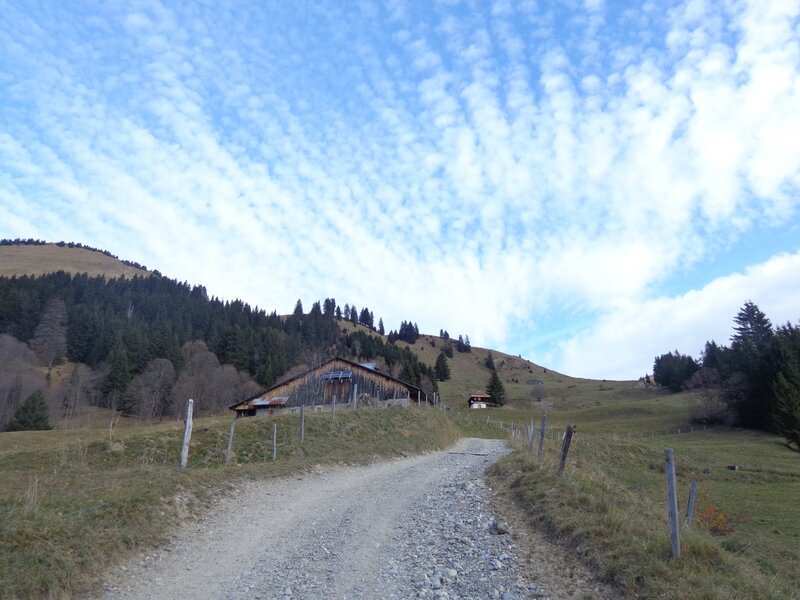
pixel 609 506
pixel 49 258
pixel 73 502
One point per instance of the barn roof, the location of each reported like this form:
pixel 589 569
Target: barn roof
pixel 339 375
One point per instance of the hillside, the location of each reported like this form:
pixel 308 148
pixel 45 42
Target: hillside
pixel 121 328
pixel 50 258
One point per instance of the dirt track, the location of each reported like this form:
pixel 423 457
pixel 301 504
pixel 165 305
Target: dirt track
pixel 411 528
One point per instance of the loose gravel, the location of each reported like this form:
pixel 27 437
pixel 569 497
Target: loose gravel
pixel 418 527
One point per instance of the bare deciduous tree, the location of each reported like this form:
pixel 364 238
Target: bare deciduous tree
pixel 19 376
pixel 49 340
pixel 150 390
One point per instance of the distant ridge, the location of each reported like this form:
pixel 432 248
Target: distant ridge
pixel 37 257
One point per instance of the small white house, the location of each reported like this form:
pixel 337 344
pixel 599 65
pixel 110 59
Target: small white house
pixel 479 400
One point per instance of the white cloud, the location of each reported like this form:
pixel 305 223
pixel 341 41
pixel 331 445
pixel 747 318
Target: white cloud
pixel 624 342
pixel 517 173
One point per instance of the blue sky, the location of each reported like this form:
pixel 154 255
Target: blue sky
pixel 587 184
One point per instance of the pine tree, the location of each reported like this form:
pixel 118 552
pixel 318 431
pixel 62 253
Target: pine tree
pixel 381 330
pixel 489 362
pixel 442 369
pixel 32 415
pixel 496 390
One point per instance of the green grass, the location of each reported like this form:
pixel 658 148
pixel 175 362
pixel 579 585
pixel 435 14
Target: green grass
pixel 609 506
pixel 73 502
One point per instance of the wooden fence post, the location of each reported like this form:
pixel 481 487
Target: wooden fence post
pixel 531 436
pixel 187 435
pixel 541 436
pixel 692 503
pixel 565 448
pixel 355 396
pixel 274 441
pixel 302 423
pixel 230 442
pixel 672 502
pixel 333 410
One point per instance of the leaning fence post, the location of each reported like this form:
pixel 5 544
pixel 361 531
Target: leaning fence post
pixel 230 442
pixel 531 436
pixel 274 441
pixel 565 448
pixel 302 423
pixel 672 502
pixel 541 436
pixel 187 435
pixel 692 502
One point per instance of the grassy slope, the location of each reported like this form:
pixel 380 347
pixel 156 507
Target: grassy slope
pixel 74 501
pixel 610 507
pixel 49 258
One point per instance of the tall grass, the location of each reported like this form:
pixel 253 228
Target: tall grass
pixel 609 508
pixel 74 502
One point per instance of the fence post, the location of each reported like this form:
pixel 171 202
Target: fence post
pixel 672 502
pixel 355 396
pixel 274 441
pixel 302 423
pixel 333 410
pixel 565 448
pixel 187 435
pixel 230 442
pixel 531 436
pixel 692 502
pixel 541 436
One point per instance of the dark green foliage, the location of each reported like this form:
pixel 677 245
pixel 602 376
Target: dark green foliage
pixel 366 318
pixel 489 362
pixel 32 415
pixel 441 368
pixel 757 377
pixel 496 390
pixel 786 385
pixel 673 370
pixel 463 344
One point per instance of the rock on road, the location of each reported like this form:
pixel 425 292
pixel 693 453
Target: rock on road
pixel 416 527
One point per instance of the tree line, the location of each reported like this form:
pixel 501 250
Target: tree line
pixel 754 382
pixel 143 345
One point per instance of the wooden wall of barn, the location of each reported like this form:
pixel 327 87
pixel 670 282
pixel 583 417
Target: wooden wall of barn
pixel 310 389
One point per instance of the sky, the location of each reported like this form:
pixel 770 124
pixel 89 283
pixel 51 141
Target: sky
pixel 587 184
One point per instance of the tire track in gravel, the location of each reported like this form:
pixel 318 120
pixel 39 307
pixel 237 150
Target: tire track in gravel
pixel 409 528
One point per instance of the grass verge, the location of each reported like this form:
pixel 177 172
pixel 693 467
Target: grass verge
pixel 73 502
pixel 609 509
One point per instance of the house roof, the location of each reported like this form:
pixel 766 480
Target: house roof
pixel 480 395
pixel 341 375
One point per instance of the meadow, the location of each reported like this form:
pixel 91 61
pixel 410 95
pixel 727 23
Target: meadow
pixel 609 506
pixel 74 502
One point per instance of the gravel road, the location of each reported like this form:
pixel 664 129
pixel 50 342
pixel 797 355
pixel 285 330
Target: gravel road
pixel 418 527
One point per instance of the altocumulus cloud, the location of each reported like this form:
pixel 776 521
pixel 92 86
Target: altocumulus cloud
pixel 540 179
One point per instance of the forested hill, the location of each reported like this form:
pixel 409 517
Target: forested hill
pixel 145 342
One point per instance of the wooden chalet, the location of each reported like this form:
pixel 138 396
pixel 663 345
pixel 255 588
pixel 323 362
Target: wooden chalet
pixel 335 380
pixel 479 400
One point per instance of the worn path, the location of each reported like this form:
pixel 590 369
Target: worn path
pixel 412 528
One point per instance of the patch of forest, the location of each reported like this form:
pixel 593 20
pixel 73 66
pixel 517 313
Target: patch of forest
pixel 143 345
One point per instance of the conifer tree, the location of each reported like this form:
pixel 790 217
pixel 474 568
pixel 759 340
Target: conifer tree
pixel 442 369
pixel 496 390
pixel 381 330
pixel 32 415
